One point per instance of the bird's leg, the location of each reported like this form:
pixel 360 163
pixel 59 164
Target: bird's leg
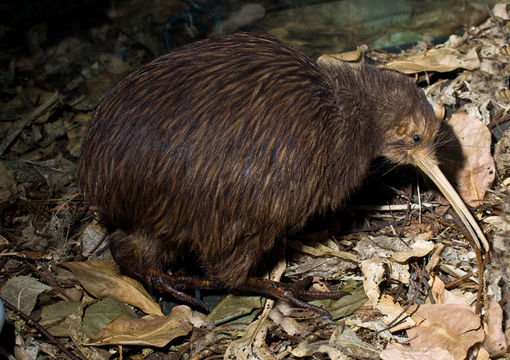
pixel 138 256
pixel 175 284
pixel 293 293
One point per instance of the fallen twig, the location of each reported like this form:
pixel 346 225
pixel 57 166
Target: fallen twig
pixel 41 330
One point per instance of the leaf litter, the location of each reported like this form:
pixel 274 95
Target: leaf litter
pixel 414 282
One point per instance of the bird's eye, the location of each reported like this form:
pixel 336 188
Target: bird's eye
pixel 416 138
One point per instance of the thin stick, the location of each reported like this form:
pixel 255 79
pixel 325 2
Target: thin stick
pixel 42 330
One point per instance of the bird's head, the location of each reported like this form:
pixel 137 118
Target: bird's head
pixel 409 130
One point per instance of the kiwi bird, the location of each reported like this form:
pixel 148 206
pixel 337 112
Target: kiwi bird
pixel 210 154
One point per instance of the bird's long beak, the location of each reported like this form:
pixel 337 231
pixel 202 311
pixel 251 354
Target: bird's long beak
pixel 429 166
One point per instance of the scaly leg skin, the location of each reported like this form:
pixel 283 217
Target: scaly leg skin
pixel 292 293
pixel 175 284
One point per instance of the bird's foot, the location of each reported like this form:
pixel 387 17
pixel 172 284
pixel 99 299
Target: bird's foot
pixel 294 293
pixel 175 284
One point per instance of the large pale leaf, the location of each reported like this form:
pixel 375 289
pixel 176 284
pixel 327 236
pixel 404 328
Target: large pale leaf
pixel 440 60
pixel 479 167
pixel 400 352
pixel 452 327
pixel 150 330
pixel 22 292
pixel 103 279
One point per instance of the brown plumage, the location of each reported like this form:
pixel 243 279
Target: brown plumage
pixel 213 152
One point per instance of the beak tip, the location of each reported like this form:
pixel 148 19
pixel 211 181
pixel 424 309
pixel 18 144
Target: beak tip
pixel 429 166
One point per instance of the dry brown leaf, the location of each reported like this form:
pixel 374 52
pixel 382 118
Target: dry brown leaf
pixel 394 314
pixel 482 354
pixel 440 60
pixel 373 274
pixel 500 10
pixel 443 296
pixel 448 326
pixel 336 58
pixel 401 352
pixel 253 343
pixel 418 248
pixel 321 250
pixel 150 330
pixel 309 349
pixel 103 279
pixel 78 127
pixel 280 316
pixel 435 258
pixel 479 168
pixel 495 339
pixel 113 64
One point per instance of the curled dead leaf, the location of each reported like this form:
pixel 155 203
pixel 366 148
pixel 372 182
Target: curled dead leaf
pixel 290 325
pixel 394 314
pixel 440 60
pixel 419 248
pixel 150 330
pixel 354 55
pixel 373 274
pixel 103 279
pixel 308 350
